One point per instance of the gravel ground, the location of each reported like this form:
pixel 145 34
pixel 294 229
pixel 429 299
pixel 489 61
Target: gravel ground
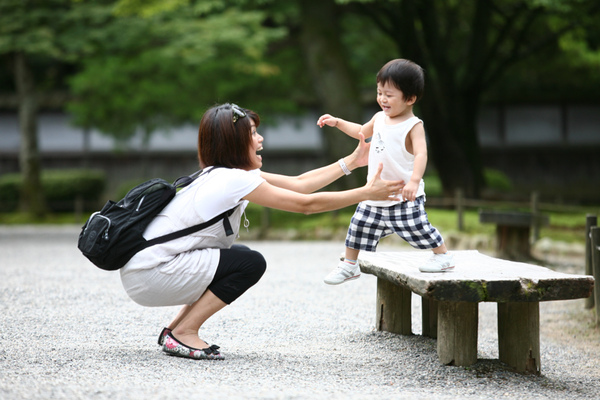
pixel 69 331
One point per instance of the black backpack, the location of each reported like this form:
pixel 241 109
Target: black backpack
pixel 113 235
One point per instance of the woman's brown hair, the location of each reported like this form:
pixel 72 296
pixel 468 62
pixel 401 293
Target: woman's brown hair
pixel 223 141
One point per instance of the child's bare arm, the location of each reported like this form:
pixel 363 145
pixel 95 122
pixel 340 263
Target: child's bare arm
pixel 418 147
pixel 351 129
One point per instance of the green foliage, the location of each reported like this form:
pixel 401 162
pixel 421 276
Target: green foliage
pixel 183 60
pixel 497 180
pixel 124 188
pixel 567 227
pixel 147 8
pixel 494 179
pixel 433 185
pixel 278 219
pixel 61 188
pixel 40 43
pixel 31 32
pixel 59 30
pixel 62 185
pixel 140 64
pixel 21 218
pixel 471 49
pixel 9 191
pixel 370 48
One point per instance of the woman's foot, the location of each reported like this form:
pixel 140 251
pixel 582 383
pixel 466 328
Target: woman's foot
pixel 190 339
pixel 163 335
pixel 172 346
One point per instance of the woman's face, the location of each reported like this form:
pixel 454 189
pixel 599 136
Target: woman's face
pixel 255 147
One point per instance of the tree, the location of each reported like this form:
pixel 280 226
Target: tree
pixel 32 196
pixel 234 50
pixel 333 79
pixel 465 47
pixel 35 36
pixel 164 63
pixel 276 56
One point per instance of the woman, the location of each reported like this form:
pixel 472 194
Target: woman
pixel 205 271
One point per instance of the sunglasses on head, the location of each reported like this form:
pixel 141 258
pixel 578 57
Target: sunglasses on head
pixel 237 112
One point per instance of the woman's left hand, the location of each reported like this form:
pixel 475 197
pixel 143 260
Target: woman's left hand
pixel 384 190
pixel 360 155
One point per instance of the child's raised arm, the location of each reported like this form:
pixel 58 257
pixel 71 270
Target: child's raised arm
pixel 351 129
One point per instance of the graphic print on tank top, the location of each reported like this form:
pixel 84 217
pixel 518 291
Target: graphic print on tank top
pixel 379 143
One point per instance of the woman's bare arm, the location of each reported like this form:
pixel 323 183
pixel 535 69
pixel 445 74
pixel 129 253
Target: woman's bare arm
pixel 318 178
pixel 271 196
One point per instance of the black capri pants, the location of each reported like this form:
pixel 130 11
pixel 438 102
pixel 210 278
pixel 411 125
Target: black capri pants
pixel 239 269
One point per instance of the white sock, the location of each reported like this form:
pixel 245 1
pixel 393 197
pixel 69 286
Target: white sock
pixel 353 262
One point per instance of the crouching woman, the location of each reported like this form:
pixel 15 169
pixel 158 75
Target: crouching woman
pixel 206 271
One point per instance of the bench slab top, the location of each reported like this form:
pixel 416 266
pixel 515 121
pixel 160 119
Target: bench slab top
pixel 476 278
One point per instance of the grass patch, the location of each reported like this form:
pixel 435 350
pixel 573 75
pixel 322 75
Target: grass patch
pixel 20 218
pixel 566 227
pixel 447 221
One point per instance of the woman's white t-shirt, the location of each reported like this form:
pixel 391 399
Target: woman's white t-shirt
pixel 212 193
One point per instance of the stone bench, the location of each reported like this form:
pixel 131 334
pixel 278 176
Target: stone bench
pixel 450 302
pixel 513 229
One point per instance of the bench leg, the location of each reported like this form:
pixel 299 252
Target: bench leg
pixel 429 316
pixel 393 308
pixel 519 336
pixel 457 332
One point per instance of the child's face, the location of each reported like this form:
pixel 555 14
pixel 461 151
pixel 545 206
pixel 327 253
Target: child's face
pixel 392 101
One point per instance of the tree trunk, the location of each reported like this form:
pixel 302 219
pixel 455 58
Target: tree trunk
pixel 332 78
pixel 449 106
pixel 32 197
pixel 453 143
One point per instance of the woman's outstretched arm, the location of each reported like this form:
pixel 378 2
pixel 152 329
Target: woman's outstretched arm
pixel 271 196
pixel 318 178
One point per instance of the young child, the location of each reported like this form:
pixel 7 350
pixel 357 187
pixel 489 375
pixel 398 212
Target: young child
pixel 397 141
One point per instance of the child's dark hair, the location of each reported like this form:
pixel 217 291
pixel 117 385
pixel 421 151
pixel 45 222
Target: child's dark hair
pixel 405 75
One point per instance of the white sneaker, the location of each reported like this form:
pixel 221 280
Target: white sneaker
pixel 438 263
pixel 342 273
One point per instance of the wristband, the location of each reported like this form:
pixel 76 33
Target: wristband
pixel 344 166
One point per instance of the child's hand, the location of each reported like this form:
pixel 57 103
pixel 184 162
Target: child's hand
pixel 409 193
pixel 328 120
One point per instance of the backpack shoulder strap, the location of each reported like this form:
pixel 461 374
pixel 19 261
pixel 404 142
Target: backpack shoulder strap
pixel 195 228
pixel 185 180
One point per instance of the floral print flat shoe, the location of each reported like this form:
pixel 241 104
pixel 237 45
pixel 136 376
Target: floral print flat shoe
pixel 163 335
pixel 174 347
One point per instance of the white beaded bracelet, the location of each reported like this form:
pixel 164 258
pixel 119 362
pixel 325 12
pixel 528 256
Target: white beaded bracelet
pixel 344 166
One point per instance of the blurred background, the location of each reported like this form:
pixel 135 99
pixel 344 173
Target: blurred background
pixel 97 95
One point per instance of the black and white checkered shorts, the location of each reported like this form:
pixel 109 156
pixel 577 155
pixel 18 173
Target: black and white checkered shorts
pixel 408 219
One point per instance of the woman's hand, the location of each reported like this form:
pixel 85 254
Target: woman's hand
pixel 360 155
pixel 380 189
